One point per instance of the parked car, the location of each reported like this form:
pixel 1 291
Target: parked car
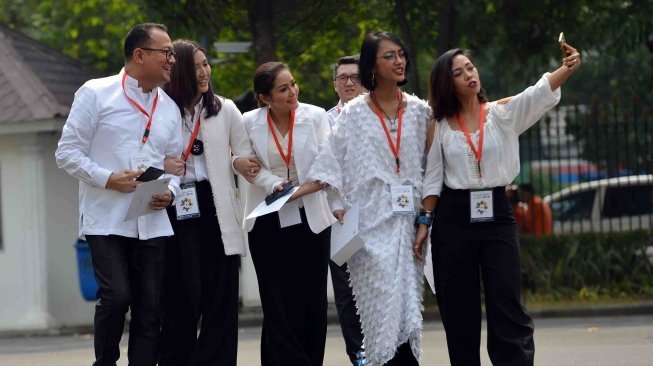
pixel 606 205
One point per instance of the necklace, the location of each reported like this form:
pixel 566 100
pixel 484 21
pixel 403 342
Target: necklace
pixel 392 121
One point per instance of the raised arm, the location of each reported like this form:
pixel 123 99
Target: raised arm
pixel 569 64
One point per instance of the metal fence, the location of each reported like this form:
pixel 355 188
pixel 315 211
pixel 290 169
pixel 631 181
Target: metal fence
pixel 592 163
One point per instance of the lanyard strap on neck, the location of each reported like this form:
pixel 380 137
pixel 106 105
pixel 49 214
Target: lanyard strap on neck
pixel 291 124
pixel 400 112
pixel 193 136
pixel 149 116
pixel 481 122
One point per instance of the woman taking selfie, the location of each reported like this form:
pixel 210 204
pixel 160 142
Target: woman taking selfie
pixel 473 157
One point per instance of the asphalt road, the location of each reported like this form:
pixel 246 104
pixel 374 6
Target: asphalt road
pixel 595 341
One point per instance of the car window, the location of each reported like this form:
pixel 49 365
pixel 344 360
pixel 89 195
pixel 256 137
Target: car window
pixel 576 206
pixel 628 201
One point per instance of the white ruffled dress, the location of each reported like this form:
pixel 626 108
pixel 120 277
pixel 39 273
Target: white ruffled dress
pixel 385 275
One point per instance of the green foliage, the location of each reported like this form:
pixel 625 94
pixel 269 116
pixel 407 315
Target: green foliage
pixel 585 266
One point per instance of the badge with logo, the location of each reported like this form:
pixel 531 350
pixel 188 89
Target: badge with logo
pixel 186 205
pixel 481 206
pixel 402 199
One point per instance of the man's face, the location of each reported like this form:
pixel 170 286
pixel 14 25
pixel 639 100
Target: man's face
pixel 157 61
pixel 346 83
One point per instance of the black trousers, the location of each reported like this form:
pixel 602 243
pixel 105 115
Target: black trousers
pixel 461 250
pixel 350 322
pixel 129 273
pixel 201 281
pixel 291 267
pixel 403 357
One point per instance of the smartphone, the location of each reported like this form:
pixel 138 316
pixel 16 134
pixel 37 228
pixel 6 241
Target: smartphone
pixel 151 173
pixel 562 41
pixel 278 194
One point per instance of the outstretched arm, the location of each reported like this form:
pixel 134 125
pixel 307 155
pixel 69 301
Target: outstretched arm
pixel 569 64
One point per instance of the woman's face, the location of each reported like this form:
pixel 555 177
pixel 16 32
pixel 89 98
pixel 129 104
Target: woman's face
pixel 284 93
pixel 390 62
pixel 465 77
pixel 203 71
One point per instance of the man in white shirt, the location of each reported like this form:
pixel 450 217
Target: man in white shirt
pixel 117 127
pixel 346 84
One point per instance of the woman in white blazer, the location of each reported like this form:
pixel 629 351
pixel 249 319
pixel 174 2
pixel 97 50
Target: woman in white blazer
pixel 290 249
pixel 204 255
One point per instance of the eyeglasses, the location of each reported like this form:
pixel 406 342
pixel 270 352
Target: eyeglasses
pixel 392 55
pixel 342 79
pixel 168 52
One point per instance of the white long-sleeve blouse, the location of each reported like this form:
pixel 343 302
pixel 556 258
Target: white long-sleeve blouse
pixel 500 160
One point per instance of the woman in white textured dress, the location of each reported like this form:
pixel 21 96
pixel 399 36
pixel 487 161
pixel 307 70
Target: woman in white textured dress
pixel 375 158
pixel 474 231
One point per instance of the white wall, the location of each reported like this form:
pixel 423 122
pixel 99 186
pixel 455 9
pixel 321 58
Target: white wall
pixel 62 206
pixel 38 280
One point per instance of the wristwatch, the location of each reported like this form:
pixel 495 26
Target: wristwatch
pixel 425 218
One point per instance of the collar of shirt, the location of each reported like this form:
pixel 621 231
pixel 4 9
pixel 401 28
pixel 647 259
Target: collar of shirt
pixel 135 91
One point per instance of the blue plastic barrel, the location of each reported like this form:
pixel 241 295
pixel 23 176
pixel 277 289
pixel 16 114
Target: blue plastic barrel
pixel 87 282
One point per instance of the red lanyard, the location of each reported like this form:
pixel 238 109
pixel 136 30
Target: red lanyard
pixel 477 152
pixel 291 123
pixel 400 113
pixel 149 115
pixel 193 136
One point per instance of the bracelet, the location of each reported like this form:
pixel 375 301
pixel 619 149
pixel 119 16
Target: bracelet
pixel 424 220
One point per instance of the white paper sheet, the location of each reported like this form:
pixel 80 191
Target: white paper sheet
pixel 140 204
pixel 345 240
pixel 428 266
pixel 264 209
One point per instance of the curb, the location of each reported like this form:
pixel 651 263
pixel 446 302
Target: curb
pixel 253 317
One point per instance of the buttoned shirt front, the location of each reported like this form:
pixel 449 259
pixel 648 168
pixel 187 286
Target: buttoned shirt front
pixel 102 134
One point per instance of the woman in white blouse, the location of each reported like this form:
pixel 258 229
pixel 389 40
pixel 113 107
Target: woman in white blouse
pixel 203 256
pixel 290 248
pixel 474 154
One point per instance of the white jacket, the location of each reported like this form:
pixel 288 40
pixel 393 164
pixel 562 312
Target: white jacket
pixel 224 134
pixel 310 130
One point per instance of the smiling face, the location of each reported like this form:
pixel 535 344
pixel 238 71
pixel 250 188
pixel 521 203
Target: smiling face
pixel 343 84
pixel 155 63
pixel 390 62
pixel 465 76
pixel 203 72
pixel 283 96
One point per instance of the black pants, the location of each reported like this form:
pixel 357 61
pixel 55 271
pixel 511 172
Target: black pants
pixel 403 357
pixel 129 273
pixel 291 267
pixel 350 322
pixel 201 281
pixel 460 251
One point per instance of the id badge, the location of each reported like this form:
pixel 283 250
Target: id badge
pixel 140 163
pixel 481 206
pixel 186 205
pixel 402 199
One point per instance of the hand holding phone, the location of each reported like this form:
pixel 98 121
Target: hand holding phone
pixel 287 187
pixel 151 173
pixel 563 41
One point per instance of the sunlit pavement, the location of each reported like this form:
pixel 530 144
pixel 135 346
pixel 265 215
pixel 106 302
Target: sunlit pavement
pixel 597 341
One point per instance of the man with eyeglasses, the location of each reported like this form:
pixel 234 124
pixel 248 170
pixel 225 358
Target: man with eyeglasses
pixel 345 82
pixel 117 127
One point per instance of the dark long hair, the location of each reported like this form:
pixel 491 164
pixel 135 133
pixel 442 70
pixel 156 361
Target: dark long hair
pixel 182 87
pixel 264 78
pixel 442 95
pixel 368 57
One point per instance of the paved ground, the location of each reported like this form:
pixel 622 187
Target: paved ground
pixel 596 341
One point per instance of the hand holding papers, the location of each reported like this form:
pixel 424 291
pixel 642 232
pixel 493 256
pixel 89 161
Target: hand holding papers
pixel 140 204
pixel 264 209
pixel 344 237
